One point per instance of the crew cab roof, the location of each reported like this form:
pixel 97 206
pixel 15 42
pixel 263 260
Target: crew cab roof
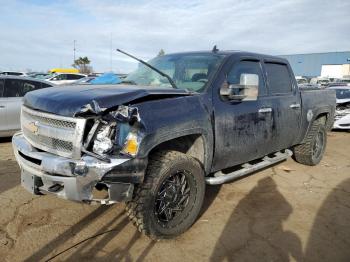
pixel 239 53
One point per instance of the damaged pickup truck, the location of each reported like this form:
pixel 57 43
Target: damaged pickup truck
pixel 174 125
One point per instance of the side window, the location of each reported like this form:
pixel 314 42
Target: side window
pixel 278 78
pixel 44 85
pixel 60 77
pixel 1 87
pixel 243 68
pixel 63 77
pixel 30 86
pixel 70 77
pixel 73 77
pixel 13 88
pixel 79 76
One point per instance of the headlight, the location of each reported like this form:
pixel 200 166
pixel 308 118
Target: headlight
pixel 131 145
pixel 102 142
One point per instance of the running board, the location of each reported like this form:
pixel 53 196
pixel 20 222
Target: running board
pixel 247 168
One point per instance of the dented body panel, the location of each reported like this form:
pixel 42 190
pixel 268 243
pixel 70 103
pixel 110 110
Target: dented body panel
pixel 130 122
pixel 94 99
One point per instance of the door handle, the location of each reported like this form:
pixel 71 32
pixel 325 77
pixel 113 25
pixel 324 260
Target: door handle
pixel 265 110
pixel 2 106
pixel 294 106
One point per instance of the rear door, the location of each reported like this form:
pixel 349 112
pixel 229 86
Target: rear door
pixel 14 91
pixel 285 102
pixel 2 108
pixel 12 102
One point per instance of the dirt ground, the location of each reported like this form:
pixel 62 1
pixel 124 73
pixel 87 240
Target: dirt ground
pixel 289 212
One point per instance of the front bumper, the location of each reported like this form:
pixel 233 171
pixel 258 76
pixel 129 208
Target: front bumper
pixel 342 123
pixel 43 173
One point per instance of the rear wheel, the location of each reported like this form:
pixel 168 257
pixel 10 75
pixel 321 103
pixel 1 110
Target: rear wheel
pixel 311 152
pixel 170 199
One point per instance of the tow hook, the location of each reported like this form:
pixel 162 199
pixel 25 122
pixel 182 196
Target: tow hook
pixel 55 188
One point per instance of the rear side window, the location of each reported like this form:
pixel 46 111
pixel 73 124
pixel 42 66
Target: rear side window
pixel 18 88
pixel 44 85
pixel 74 77
pixel 30 86
pixel 278 78
pixel 13 88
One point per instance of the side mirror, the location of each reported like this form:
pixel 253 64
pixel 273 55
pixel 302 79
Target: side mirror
pixel 246 90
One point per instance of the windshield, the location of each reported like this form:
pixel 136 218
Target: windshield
pixel 188 71
pixel 50 76
pixel 342 93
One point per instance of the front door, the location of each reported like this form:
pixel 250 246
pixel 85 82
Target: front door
pixel 242 128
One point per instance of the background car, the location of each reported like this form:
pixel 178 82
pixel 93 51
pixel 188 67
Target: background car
pixel 12 90
pixel 12 73
pixel 63 78
pixel 38 75
pixel 342 111
pixel 84 80
pixel 320 81
pixel 301 80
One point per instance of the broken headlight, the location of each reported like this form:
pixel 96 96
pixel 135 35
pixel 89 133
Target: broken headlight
pixel 128 139
pixel 131 144
pixel 103 143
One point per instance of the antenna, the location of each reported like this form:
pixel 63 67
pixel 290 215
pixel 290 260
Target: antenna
pixel 111 54
pixel 74 50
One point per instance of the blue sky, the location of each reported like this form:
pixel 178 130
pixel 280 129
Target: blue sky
pixel 38 34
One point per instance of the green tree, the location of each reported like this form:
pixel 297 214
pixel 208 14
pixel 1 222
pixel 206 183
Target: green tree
pixel 161 52
pixel 83 64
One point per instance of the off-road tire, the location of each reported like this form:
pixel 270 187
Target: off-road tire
pixel 160 167
pixel 305 153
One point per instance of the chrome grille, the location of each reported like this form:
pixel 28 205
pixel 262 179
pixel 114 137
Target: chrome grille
pixel 50 121
pixel 53 143
pixel 53 133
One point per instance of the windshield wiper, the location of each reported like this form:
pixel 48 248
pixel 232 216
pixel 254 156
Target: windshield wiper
pixel 152 67
pixel 131 82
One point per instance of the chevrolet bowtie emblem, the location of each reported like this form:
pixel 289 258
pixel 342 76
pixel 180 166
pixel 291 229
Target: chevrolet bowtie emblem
pixel 32 127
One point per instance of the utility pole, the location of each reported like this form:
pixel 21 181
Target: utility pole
pixel 111 53
pixel 74 49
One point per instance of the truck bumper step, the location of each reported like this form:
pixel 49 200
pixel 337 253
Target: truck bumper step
pixel 247 168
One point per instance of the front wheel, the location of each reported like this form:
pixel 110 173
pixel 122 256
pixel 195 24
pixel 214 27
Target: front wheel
pixel 169 200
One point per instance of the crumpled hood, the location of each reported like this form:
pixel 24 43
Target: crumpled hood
pixel 74 100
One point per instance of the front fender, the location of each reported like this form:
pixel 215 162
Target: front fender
pixel 168 119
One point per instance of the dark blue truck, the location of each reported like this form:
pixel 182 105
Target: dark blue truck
pixel 174 125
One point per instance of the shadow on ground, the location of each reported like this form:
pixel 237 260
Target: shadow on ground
pixel 254 230
pixel 330 235
pixel 84 250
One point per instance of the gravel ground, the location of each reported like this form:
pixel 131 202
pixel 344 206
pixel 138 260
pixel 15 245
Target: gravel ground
pixel 289 212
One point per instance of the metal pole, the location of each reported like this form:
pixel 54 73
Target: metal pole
pixel 74 49
pixel 111 50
